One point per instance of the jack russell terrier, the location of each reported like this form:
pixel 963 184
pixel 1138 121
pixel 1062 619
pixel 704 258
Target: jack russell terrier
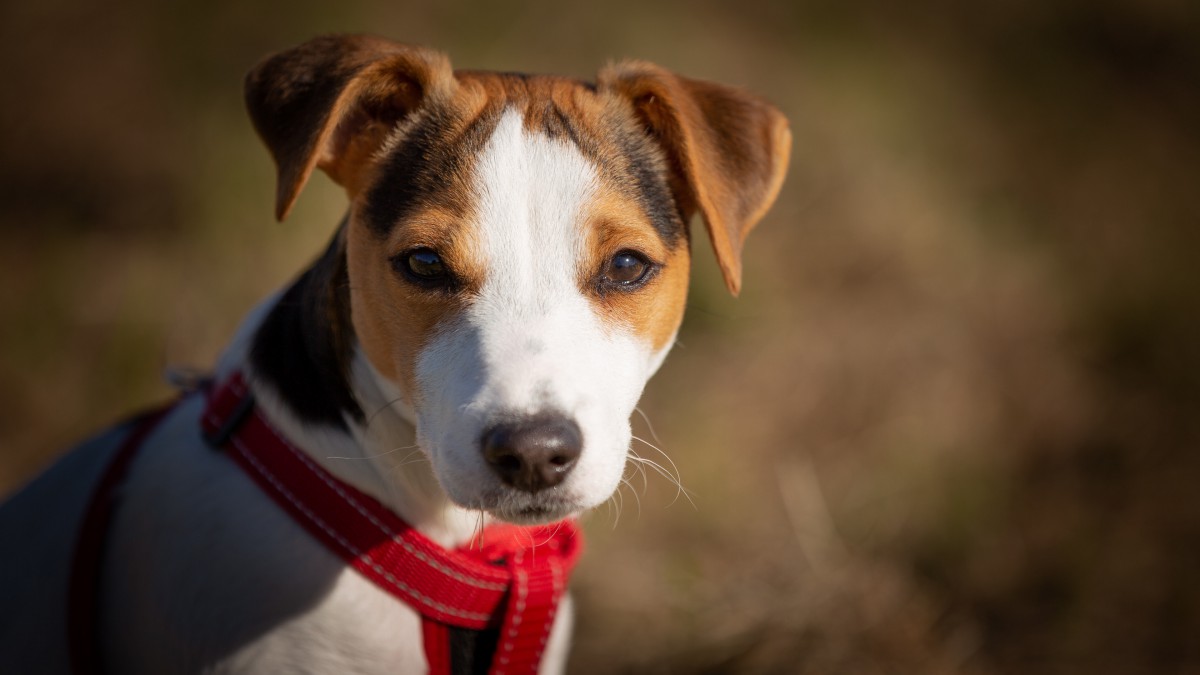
pixel 382 474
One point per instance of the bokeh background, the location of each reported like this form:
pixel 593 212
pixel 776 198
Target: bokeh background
pixel 952 423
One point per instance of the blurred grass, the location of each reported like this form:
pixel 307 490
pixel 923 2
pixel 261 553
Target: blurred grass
pixel 949 426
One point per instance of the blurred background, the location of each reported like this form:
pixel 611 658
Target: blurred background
pixel 953 422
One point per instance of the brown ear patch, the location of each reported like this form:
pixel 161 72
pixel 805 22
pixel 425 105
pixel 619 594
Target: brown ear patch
pixel 728 150
pixel 331 101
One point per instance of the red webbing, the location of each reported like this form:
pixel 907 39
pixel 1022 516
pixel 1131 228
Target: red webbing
pixel 436 640
pixel 83 599
pixel 510 577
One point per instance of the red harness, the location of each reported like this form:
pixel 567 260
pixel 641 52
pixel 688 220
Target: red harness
pixel 510 578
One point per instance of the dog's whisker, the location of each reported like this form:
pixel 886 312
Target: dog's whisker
pixel 674 480
pixel 420 459
pixel 613 507
pixel 636 499
pixel 618 496
pixel 649 426
pixel 616 500
pixel 389 404
pixel 635 462
pixel 477 532
pixel 660 451
pixel 558 528
pixel 382 454
pixel 620 509
pixel 671 475
pixel 414 457
pixel 528 535
pixel 617 505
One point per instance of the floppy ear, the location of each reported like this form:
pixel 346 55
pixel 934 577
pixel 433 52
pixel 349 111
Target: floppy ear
pixel 728 150
pixel 332 101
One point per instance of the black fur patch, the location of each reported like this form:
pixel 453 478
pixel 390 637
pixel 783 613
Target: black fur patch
pixel 556 124
pixel 303 348
pixel 646 177
pixel 435 155
pixel 637 168
pixel 432 166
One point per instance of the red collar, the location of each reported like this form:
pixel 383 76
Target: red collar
pixel 510 578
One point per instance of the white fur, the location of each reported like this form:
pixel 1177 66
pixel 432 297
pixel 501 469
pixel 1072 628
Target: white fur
pixel 531 341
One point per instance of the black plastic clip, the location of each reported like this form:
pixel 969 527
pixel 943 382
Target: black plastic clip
pixel 220 437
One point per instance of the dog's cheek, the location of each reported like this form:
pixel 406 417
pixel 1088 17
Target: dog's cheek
pixel 599 473
pixel 373 335
pixel 641 328
pixel 660 323
pixel 444 446
pixel 624 366
pixel 391 322
pixel 654 313
pixel 447 375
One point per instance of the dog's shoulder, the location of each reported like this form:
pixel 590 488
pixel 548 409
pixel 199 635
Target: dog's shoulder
pixel 200 569
pixel 212 572
pixel 38 528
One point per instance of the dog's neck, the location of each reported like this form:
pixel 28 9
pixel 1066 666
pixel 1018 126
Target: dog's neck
pixel 346 416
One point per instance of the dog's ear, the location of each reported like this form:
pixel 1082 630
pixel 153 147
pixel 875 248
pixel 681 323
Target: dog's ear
pixel 332 101
pixel 728 150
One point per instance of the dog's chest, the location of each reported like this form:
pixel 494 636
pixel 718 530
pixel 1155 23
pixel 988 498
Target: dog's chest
pixel 205 572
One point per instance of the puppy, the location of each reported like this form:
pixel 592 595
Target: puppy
pixel 512 269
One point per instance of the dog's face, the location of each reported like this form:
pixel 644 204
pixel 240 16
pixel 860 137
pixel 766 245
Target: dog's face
pixel 529 292
pixel 517 249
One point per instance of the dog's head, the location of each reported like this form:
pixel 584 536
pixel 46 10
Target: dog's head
pixel 517 249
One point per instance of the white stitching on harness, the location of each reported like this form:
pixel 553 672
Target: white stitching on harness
pixel 556 577
pixel 472 616
pixel 457 576
pixel 521 583
pixel 486 585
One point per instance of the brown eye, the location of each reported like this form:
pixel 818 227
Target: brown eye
pixel 423 266
pixel 626 268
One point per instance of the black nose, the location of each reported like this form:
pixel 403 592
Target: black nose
pixel 535 453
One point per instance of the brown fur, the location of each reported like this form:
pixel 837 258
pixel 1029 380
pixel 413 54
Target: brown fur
pixel 393 319
pixel 729 150
pixel 664 146
pixel 655 310
pixel 324 102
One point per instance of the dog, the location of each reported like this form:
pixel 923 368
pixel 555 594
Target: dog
pixel 511 270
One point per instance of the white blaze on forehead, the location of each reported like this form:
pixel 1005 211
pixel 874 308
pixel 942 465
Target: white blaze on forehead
pixel 531 340
pixel 532 193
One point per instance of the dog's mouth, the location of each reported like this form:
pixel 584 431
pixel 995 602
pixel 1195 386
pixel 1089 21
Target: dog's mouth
pixel 521 508
pixel 535 515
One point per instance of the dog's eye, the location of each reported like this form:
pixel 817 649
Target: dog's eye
pixel 627 268
pixel 423 265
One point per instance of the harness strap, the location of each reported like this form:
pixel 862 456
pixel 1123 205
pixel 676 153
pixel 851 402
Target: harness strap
pixel 489 604
pixel 84 584
pixel 509 578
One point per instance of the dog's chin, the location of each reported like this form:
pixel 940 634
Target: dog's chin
pixel 532 515
pixel 522 508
